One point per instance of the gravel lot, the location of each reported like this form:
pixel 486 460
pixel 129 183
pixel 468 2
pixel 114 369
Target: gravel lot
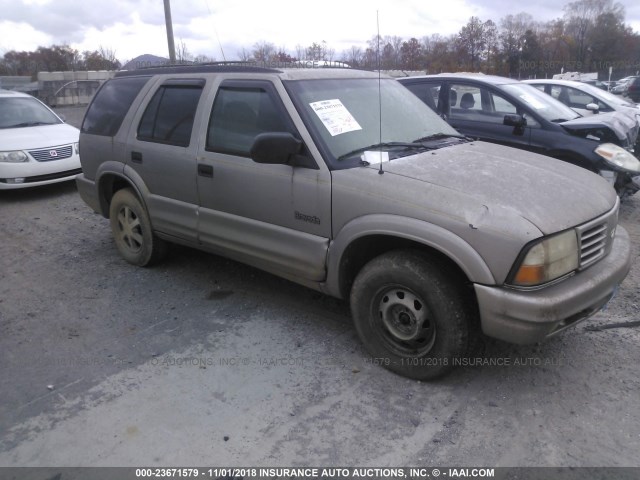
pixel 203 361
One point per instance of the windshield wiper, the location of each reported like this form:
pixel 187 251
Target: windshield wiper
pixel 379 146
pixel 28 124
pixel 438 136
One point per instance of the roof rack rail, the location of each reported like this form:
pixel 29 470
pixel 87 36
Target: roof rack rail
pixel 209 67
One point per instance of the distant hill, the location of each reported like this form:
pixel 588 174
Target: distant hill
pixel 145 61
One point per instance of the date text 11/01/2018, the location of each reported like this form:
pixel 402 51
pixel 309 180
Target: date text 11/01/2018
pixel 574 65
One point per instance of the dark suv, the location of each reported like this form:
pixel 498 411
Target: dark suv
pixel 633 89
pixel 508 112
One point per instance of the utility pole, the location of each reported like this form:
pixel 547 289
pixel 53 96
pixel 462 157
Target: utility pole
pixel 167 19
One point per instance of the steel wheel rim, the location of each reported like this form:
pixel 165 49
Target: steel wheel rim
pixel 404 320
pixel 130 229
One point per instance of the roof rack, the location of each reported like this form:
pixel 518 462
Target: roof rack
pixel 211 67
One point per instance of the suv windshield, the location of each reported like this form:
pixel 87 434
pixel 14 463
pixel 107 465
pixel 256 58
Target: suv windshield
pixel 344 116
pixel 547 107
pixel 24 112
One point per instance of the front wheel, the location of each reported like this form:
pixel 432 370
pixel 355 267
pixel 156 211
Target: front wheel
pixel 411 315
pixel 132 231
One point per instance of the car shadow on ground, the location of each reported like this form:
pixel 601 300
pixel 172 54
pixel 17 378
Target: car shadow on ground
pixel 38 193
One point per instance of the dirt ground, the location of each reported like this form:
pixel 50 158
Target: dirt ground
pixel 203 361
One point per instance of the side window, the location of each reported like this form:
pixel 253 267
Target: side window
pixel 502 105
pixel 111 104
pixel 479 104
pixel 556 91
pixel 241 113
pixel 465 102
pixel 169 116
pixel 580 99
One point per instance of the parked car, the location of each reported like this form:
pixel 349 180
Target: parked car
pixel 621 86
pixel 429 235
pixel 586 99
pixel 509 112
pixel 36 146
pixel 633 89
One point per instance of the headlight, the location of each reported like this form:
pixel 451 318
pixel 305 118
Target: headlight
pixel 76 148
pixel 618 157
pixel 13 157
pixel 547 260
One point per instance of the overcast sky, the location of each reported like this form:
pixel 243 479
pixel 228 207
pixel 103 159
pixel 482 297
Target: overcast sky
pixel 213 27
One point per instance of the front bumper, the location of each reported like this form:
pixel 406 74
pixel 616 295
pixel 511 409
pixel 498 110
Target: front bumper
pixel 525 317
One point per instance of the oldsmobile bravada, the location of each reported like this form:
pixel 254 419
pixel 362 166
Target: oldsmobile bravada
pixel 348 184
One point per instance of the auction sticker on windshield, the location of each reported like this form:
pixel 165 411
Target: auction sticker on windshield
pixel 335 116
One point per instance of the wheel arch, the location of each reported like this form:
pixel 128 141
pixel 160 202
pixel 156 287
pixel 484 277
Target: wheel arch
pixel 368 237
pixel 111 180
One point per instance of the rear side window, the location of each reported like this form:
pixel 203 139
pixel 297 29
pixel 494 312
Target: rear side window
pixel 110 105
pixel 170 114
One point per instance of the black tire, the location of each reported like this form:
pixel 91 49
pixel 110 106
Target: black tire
pixel 132 231
pixel 411 315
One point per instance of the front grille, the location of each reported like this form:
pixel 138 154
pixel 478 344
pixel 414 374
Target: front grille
pixel 592 244
pixel 53 153
pixel 596 237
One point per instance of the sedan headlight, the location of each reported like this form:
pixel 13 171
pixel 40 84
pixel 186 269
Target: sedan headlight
pixel 13 157
pixel 547 260
pixel 618 157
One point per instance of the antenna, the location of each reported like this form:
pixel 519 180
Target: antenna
pixel 380 172
pixel 215 30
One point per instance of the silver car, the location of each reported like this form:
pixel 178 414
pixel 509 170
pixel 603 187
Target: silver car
pixel 346 183
pixel 586 99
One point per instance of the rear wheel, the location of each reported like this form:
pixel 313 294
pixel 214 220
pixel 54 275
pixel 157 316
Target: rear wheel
pixel 411 315
pixel 132 231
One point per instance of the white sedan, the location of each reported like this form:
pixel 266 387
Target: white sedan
pixel 36 146
pixel 584 98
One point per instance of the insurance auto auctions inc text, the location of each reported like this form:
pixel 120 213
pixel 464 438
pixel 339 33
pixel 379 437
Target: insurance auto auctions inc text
pixel 339 473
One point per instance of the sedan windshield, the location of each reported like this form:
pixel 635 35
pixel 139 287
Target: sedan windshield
pixel 351 116
pixel 544 105
pixel 25 112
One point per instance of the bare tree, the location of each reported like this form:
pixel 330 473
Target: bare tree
pixel 244 55
pixel 182 53
pixel 472 41
pixel 581 18
pixel 353 56
pixel 263 51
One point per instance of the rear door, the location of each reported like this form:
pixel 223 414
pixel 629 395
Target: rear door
pixel 277 217
pixel 162 154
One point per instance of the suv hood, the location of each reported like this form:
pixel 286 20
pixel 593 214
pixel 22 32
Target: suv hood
pixel 613 127
pixel 499 180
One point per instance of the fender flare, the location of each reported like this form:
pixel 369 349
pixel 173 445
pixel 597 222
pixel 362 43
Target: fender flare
pixel 125 173
pixel 419 231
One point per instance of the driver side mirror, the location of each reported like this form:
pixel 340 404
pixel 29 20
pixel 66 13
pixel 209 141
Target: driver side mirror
pixel 592 107
pixel 280 148
pixel 275 148
pixel 518 122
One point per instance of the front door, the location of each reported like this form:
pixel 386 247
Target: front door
pixel 276 217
